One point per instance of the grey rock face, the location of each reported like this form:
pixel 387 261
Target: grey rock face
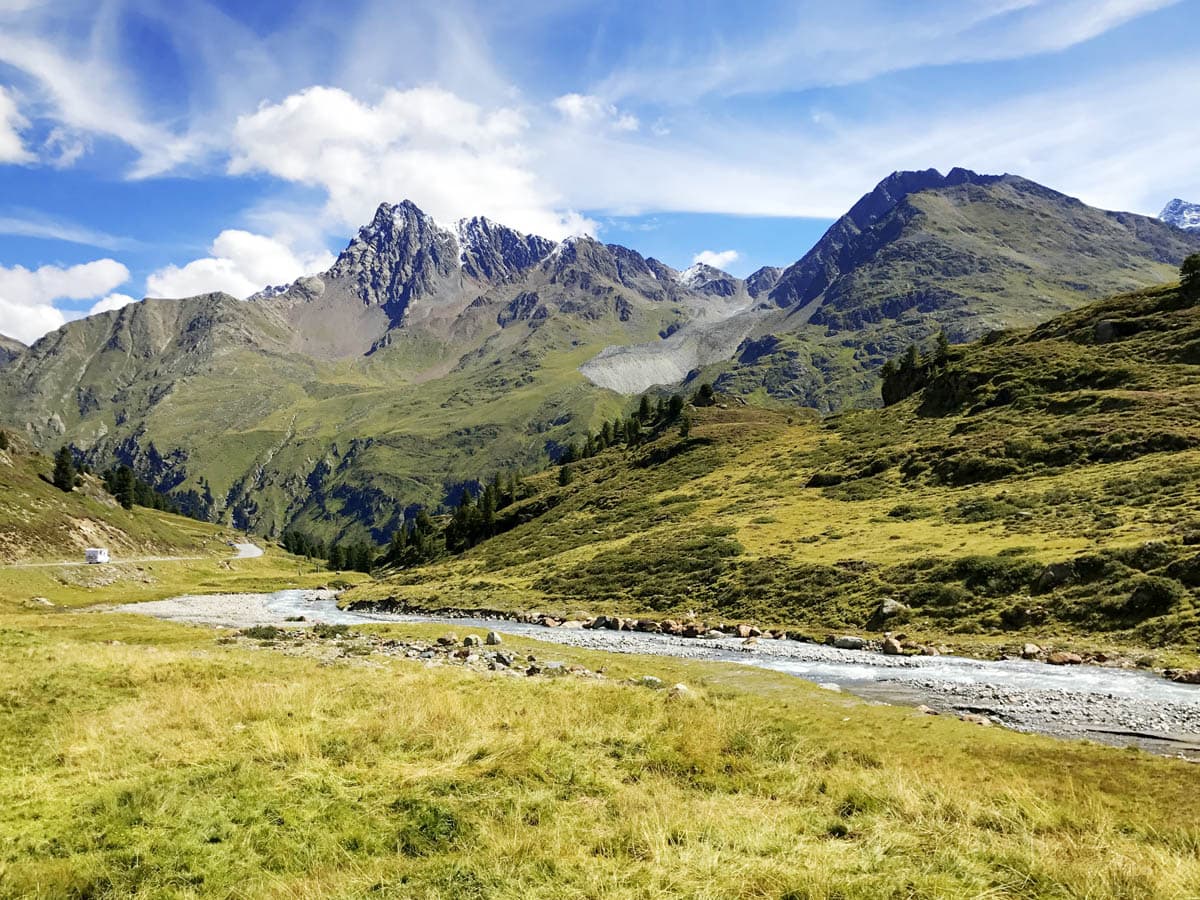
pixel 398 257
pixel 10 349
pixel 493 252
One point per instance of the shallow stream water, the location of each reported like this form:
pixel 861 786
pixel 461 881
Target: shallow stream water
pixel 1118 706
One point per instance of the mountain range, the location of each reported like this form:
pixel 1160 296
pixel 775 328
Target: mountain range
pixel 428 357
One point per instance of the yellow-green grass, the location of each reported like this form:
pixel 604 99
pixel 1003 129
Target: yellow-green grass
pixel 169 764
pixel 77 586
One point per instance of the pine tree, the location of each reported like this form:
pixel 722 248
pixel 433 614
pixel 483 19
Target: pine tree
pixel 643 412
pixel 942 349
pixel 704 396
pixel 675 408
pixel 3 440
pixel 336 558
pixel 124 487
pixel 565 476
pixel 64 470
pixel 660 411
pixel 685 426
pixel 1189 276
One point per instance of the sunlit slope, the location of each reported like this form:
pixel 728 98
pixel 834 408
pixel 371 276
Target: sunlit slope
pixel 1077 443
pixel 39 522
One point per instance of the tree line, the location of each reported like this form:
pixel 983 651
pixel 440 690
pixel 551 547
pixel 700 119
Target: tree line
pixel 120 481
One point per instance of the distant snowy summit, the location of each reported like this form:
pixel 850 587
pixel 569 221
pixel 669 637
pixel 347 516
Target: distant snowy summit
pixel 1181 214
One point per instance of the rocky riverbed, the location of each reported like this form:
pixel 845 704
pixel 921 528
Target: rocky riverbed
pixel 1109 704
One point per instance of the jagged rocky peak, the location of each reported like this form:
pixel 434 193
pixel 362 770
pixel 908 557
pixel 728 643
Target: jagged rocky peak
pixel 490 251
pixel 1181 214
pixel 400 255
pixel 706 279
pixel 763 280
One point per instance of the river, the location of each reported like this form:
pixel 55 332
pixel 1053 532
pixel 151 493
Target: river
pixel 1111 705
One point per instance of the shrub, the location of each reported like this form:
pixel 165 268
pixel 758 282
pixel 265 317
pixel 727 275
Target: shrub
pixel 262 632
pixel 325 631
pixel 1153 595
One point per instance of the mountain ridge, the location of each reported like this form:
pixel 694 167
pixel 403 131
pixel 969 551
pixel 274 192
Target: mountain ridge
pixel 427 357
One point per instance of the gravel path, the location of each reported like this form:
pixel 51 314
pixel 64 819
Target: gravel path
pixel 1117 706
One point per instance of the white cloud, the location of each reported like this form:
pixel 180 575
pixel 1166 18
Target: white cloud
pixel 449 156
pixel 589 110
pixel 111 302
pixel 12 148
pixel 27 296
pixel 241 264
pixel 717 259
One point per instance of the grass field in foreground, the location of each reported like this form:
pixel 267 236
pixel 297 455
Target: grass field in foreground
pixel 145 758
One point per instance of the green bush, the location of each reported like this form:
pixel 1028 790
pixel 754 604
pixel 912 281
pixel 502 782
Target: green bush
pixel 262 632
pixel 1153 595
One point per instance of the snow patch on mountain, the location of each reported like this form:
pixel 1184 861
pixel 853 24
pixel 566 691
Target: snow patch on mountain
pixel 1181 214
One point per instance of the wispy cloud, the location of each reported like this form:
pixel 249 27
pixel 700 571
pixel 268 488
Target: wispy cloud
pixel 29 223
pixel 718 259
pixel 819 44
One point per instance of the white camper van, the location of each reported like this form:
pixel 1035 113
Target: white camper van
pixel 96 555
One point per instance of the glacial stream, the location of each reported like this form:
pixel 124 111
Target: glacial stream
pixel 1111 705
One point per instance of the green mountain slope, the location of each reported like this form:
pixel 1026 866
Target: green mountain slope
pixel 1038 482
pixel 430 358
pixel 962 253
pixel 39 522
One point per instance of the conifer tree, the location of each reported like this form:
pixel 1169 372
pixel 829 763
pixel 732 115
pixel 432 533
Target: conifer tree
pixel 64 469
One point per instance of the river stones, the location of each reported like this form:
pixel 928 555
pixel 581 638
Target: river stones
pixel 891 647
pixel 1030 651
pixel 850 642
pixel 1064 658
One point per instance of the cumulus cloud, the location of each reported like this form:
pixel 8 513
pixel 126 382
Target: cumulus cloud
pixel 449 156
pixel 241 264
pixel 12 148
pixel 111 302
pixel 27 296
pixel 590 110
pixel 718 259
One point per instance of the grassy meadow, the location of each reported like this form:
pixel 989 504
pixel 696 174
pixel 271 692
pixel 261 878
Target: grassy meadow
pixel 150 759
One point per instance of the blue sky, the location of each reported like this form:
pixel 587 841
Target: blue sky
pixel 169 147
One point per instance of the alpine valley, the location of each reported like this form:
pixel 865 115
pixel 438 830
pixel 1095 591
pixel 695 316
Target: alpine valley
pixel 429 359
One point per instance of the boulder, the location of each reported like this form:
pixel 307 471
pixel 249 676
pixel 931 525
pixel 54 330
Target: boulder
pixel 891 647
pixel 649 626
pixel 1030 651
pixel 1192 677
pixel 693 630
pixel 551 622
pixel 572 623
pixel 1053 576
pixel 612 623
pixel 850 642
pixel 975 719
pixel 1064 658
pixel 472 640
pixel 927 710
pixel 889 611
pixel 505 659
pixel 650 681
pixel 743 631
pixel 493 639
pixel 448 640
pixel 681 692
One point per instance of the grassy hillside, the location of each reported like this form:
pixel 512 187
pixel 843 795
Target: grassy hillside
pixel 39 522
pixel 1037 483
pixel 966 254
